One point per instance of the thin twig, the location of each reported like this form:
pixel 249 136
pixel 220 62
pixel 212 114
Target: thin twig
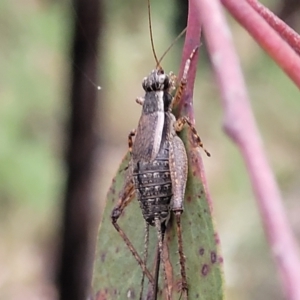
pixel 286 32
pixel 268 39
pixel 192 40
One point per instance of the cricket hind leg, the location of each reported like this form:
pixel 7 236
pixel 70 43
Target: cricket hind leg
pixel 161 229
pixel 153 290
pixel 156 273
pixel 158 260
pixel 145 257
pixel 184 285
pixel 125 198
pixel 179 168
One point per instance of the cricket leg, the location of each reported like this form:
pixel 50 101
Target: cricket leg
pixel 140 100
pixel 153 290
pixel 173 81
pixel 179 168
pixel 131 134
pixel 133 251
pixel 179 125
pixel 125 198
pixel 183 80
pixel 184 285
pixel 145 258
pixel 156 272
pixel 160 234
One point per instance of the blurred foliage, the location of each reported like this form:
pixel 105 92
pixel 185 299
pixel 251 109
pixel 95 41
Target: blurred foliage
pixel 34 90
pixel 27 102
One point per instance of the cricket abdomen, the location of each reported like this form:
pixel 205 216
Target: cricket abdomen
pixel 154 186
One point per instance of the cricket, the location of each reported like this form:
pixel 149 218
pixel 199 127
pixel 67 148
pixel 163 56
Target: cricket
pixel 157 172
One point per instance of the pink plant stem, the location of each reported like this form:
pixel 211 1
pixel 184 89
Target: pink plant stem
pixel 192 40
pixel 240 125
pixel 268 39
pixel 287 33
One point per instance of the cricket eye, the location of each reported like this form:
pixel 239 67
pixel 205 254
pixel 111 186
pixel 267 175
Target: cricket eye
pixel 160 72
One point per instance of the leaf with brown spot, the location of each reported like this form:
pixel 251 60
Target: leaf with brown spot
pixel 120 275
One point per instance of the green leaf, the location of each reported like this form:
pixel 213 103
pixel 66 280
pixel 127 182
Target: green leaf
pixel 117 275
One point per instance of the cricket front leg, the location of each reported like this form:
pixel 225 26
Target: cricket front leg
pixel 125 198
pixel 182 84
pixel 140 100
pixel 131 135
pixel 178 168
pixel 179 126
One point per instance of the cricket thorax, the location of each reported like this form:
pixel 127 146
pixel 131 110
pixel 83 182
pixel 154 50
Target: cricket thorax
pixel 156 103
pixel 154 186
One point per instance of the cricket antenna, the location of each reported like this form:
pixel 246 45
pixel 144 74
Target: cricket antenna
pixel 151 36
pixel 172 44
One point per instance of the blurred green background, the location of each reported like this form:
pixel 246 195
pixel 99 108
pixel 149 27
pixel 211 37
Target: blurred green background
pixel 35 37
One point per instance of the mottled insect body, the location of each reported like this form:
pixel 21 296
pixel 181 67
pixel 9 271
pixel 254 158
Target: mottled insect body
pixel 152 169
pixel 153 186
pixel 157 172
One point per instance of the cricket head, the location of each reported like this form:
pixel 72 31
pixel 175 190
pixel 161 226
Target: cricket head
pixel 157 80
